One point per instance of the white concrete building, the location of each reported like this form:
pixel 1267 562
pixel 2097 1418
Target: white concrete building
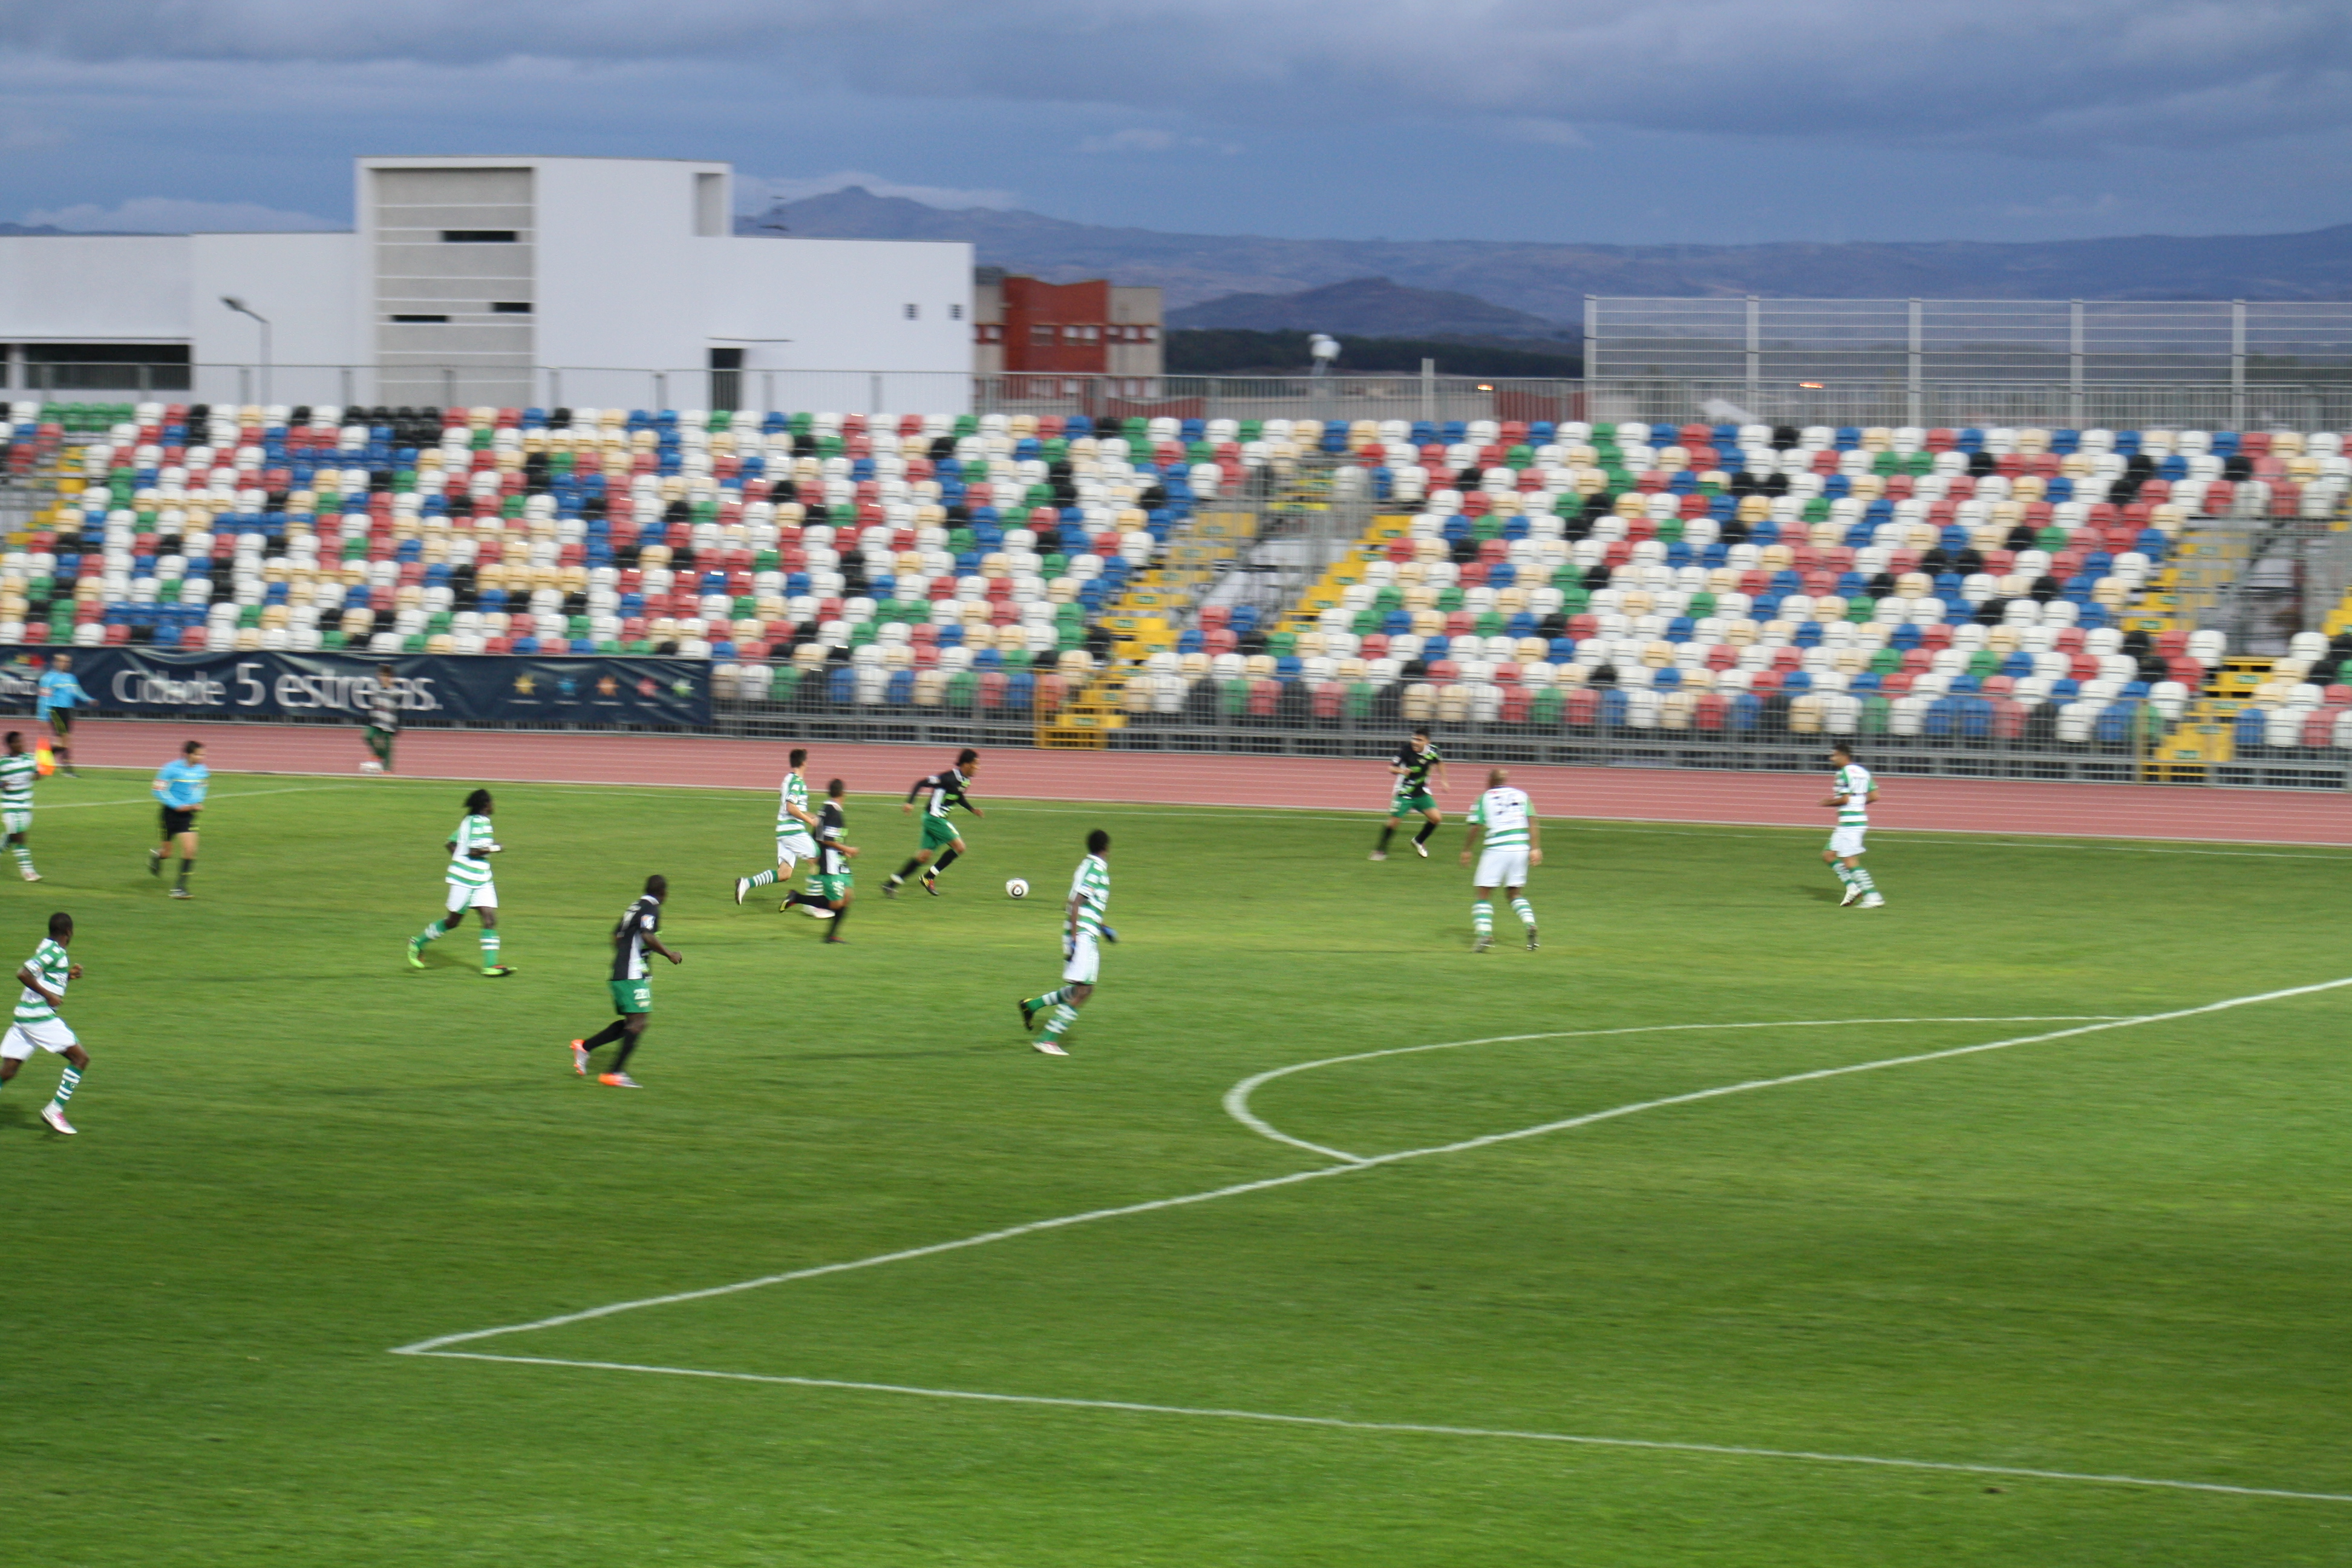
pixel 585 281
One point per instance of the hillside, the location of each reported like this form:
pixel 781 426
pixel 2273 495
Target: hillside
pixel 1551 282
pixel 1374 307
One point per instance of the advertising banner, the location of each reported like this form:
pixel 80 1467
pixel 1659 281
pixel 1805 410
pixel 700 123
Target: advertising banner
pixel 456 688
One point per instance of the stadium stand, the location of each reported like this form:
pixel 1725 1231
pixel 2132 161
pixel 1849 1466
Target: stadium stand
pixel 1963 584
pixel 887 557
pixel 1708 581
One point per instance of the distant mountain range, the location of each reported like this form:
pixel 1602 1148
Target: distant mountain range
pixel 1367 307
pixel 1549 282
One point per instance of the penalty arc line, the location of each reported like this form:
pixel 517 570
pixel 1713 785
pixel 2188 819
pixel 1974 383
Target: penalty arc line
pixel 1406 1428
pixel 1059 1222
pixel 1266 1183
pixel 1236 1101
pixel 433 1346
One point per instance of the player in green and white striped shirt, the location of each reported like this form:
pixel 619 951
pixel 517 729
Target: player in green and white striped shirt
pixel 18 769
pixel 1506 838
pixel 795 828
pixel 470 887
pixel 38 1026
pixel 1851 793
pixel 1083 934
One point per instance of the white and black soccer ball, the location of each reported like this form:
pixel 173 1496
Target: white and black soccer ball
pixel 1016 889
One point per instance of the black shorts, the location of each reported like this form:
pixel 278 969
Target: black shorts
pixel 178 820
pixel 61 721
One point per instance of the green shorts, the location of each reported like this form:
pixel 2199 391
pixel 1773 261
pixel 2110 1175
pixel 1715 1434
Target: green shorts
pixel 632 995
pixel 938 832
pixel 1412 805
pixel 832 889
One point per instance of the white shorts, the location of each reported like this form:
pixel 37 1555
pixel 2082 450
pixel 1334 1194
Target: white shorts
pixel 49 1034
pixel 1845 841
pixel 17 821
pixel 1085 961
pixel 462 896
pixel 795 847
pixel 1501 868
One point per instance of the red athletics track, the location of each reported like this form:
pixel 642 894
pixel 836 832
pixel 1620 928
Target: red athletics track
pixel 1628 795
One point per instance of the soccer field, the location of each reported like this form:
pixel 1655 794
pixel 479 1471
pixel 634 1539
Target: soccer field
pixel 1662 1337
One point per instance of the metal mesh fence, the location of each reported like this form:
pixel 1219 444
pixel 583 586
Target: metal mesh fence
pixel 1907 343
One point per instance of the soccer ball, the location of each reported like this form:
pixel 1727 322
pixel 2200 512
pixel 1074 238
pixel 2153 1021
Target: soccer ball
pixel 1016 889
pixel 371 766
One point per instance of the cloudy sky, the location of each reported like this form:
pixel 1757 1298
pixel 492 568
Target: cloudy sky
pixel 1661 120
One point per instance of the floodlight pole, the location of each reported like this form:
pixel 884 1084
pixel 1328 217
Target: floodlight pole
pixel 242 309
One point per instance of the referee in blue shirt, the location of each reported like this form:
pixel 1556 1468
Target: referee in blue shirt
pixel 180 785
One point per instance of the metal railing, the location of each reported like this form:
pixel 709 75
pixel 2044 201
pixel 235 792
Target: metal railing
pixel 2129 746
pixel 2255 402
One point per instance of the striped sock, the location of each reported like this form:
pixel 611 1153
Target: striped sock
pixel 1844 874
pixel 1482 918
pixel 1063 1016
pixel 1051 998
pixel 24 856
pixel 67 1083
pixel 1862 879
pixel 760 879
pixel 489 950
pixel 430 932
pixel 1526 911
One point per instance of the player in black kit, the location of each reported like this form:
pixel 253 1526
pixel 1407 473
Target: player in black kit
pixel 1412 767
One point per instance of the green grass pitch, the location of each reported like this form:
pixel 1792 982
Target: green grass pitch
pixel 2117 1254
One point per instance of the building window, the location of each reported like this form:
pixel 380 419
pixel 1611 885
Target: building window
pixel 510 306
pixel 710 204
pixel 955 313
pixel 914 313
pixel 1042 336
pixel 478 236
pixel 420 320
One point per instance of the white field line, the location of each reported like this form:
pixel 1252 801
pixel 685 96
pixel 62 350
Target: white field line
pixel 434 1346
pixel 1238 1097
pixel 1412 1428
pixel 1958 837
pixel 1951 838
pixel 224 794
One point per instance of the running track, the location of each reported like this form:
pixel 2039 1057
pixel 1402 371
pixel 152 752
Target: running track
pixel 1635 795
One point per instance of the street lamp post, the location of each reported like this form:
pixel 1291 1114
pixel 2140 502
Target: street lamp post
pixel 242 309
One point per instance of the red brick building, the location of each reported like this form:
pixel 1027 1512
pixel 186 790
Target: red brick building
pixel 1096 328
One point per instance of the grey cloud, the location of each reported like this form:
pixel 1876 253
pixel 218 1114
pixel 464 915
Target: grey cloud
pixel 2018 75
